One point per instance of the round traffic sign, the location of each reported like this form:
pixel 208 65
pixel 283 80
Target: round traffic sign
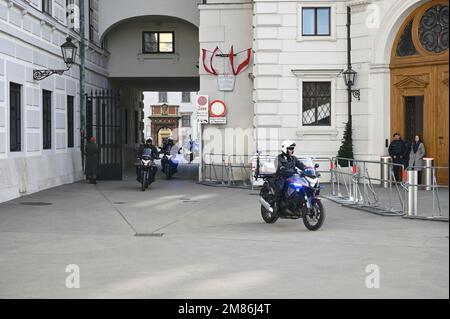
pixel 202 100
pixel 217 108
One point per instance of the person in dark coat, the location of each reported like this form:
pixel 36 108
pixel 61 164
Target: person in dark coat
pixel 397 150
pixel 154 154
pixel 91 151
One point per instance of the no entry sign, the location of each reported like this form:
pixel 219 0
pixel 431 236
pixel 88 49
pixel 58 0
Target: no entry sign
pixel 217 111
pixel 217 108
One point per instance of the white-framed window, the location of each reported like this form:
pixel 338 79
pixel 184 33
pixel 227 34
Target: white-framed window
pixel 185 97
pixel 73 14
pixel 162 97
pixel 185 120
pixel 316 21
pixel 317 90
pixel 47 6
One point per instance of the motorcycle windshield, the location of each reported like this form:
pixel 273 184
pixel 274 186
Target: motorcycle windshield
pixel 147 152
pixel 174 150
pixel 307 161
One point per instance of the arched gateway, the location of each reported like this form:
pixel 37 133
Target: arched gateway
pixel 419 80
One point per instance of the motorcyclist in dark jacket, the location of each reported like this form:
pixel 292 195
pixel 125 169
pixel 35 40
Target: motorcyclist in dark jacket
pixel 286 164
pixel 154 154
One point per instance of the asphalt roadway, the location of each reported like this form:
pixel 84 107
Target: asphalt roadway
pixel 180 239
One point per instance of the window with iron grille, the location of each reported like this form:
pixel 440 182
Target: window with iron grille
pixel 316 104
pixel 47 119
pixel 158 42
pixel 15 118
pixel 316 21
pixel 186 121
pixel 70 123
pixel 186 97
pixel 47 6
pixel 162 96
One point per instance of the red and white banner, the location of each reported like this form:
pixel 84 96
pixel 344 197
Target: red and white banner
pixel 240 61
pixel 237 62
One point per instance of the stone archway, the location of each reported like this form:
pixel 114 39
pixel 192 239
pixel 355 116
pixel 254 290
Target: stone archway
pixel 419 80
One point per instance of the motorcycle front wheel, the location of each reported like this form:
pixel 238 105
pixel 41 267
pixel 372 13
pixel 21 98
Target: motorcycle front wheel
pixel 314 218
pixel 168 171
pixel 144 181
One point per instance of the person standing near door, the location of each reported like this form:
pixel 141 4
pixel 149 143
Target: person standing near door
pixel 91 152
pixel 397 151
pixel 416 156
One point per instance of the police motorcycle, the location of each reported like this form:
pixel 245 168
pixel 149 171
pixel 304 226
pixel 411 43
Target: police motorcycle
pixel 300 200
pixel 147 168
pixel 170 161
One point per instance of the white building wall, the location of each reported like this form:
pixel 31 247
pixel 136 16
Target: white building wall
pixel 30 39
pixel 225 24
pixel 127 60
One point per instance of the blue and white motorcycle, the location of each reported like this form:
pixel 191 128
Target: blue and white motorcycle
pixel 300 198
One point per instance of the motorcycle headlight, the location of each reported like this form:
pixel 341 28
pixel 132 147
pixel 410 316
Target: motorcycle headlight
pixel 146 163
pixel 312 181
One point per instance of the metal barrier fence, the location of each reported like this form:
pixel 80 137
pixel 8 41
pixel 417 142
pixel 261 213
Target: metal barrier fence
pixel 355 184
pixel 380 187
pixel 393 194
pixel 426 195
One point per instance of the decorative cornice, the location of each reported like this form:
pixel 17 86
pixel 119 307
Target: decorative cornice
pixel 411 82
pixel 359 5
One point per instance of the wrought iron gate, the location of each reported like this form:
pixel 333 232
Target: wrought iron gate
pixel 104 122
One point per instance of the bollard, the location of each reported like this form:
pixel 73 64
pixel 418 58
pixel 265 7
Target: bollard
pixel 412 193
pixel 427 173
pixel 385 175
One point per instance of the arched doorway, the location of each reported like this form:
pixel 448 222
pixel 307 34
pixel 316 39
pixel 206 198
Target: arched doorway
pixel 163 134
pixel 419 80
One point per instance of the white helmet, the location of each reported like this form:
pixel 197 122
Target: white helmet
pixel 287 144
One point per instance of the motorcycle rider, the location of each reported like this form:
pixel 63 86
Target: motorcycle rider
pixel 166 149
pixel 286 164
pixel 154 154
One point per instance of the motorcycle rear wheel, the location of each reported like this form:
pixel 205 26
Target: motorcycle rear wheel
pixel 315 220
pixel 268 194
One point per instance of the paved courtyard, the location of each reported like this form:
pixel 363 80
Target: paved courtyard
pixel 197 241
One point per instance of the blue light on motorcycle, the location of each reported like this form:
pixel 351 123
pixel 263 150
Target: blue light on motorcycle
pixel 297 185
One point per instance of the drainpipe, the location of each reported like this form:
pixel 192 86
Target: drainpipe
pixel 349 62
pixel 82 77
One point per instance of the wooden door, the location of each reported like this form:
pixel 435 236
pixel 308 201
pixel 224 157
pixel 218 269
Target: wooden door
pixel 441 134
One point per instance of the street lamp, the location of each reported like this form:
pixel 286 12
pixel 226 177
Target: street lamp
pixel 69 52
pixel 350 77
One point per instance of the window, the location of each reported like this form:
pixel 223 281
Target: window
pixel 316 21
pixel 47 119
pixel 70 132
pixel 162 97
pixel 91 21
pixel 158 42
pixel 136 126
pixel 126 126
pixel 186 121
pixel 47 6
pixel 186 97
pixel 316 104
pixel 15 118
pixel 73 14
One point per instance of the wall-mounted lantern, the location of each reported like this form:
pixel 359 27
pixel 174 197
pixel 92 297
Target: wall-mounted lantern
pixel 350 77
pixel 69 52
